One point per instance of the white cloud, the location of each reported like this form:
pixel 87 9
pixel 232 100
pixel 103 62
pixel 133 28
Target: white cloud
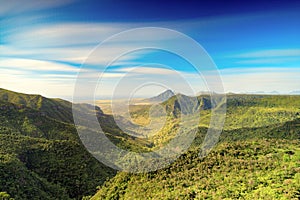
pixel 62 76
pixel 66 54
pixel 148 70
pixel 274 60
pixel 35 45
pixel 95 75
pixel 72 42
pixel 270 53
pixel 282 57
pixel 261 79
pixel 63 34
pixel 74 34
pixel 254 70
pixel 134 72
pixel 35 65
pixel 13 71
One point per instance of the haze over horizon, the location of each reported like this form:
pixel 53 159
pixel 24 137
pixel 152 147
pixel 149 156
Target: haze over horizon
pixel 255 46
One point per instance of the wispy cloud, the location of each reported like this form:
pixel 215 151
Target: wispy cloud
pixel 270 53
pixel 39 53
pixel 147 70
pixel 19 6
pixel 81 34
pixel 76 54
pixel 144 72
pixel 74 42
pixel 35 65
pixel 269 61
pixel 63 34
pixel 268 58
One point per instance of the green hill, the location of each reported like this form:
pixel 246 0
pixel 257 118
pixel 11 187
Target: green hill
pixel 38 135
pixel 41 154
pixel 55 108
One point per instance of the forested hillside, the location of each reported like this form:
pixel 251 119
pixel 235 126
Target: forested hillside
pixel 258 155
pixel 250 169
pixel 41 154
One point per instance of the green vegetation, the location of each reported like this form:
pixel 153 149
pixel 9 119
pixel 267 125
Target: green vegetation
pixel 258 156
pixel 260 110
pixel 55 108
pixel 41 156
pixel 5 196
pixel 253 169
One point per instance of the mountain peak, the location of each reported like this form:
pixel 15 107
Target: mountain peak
pixel 162 96
pixel 167 92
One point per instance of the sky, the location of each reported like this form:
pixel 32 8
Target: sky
pixel 44 45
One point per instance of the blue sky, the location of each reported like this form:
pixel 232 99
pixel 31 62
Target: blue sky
pixel 255 46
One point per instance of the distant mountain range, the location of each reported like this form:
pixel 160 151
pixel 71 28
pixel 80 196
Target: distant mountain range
pixel 295 92
pixel 169 93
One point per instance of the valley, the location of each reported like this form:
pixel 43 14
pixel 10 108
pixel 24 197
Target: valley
pixel 258 154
